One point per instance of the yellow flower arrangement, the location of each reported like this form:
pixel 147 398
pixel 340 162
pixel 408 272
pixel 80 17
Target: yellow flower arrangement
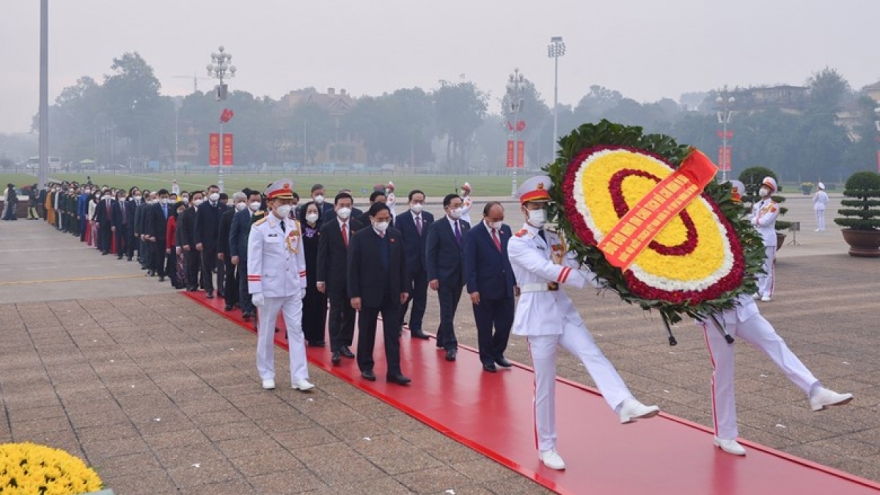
pixel 31 469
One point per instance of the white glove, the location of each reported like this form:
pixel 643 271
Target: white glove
pixel 258 299
pixel 594 280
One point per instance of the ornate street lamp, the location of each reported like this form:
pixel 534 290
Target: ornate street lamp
pixel 221 68
pixel 724 114
pixel 515 85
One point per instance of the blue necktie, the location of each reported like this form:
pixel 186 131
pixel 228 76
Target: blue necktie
pixel 165 211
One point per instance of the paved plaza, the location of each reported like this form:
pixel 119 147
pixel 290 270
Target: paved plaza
pixel 161 395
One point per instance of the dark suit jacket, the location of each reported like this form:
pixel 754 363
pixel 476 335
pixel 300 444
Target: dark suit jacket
pixel 413 243
pixel 332 267
pixel 207 224
pixel 487 270
pixel 101 215
pixel 444 258
pixel 139 218
pixel 367 278
pixel 223 231
pixel 186 226
pixel 117 220
pixel 157 223
pixel 238 234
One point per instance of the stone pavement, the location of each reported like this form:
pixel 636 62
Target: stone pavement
pixel 161 395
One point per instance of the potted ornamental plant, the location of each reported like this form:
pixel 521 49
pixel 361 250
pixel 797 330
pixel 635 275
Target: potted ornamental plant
pixel 807 187
pixel 860 215
pixel 31 468
pixel 752 178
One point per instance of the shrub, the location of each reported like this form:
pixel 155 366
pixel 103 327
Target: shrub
pixel 863 212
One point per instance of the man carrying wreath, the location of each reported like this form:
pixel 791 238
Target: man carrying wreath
pixel 547 317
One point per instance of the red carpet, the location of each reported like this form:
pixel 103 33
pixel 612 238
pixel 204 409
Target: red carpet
pixel 492 413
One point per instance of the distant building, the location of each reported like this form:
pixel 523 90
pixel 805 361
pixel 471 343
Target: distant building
pixel 344 149
pixel 788 99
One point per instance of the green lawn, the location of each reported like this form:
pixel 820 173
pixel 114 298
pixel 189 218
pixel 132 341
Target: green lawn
pixel 433 185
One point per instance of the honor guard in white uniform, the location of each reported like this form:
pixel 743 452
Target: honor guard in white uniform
pixel 745 322
pixel 820 201
pixel 764 215
pixel 276 269
pixel 547 317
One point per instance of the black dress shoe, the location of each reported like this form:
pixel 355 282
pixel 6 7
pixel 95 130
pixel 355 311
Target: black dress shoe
pixel 439 345
pixel 450 354
pixel 150 273
pixel 228 308
pixel 369 375
pixel 246 315
pixel 419 334
pixel 336 358
pixel 161 278
pixel 119 257
pixel 345 351
pixel 210 295
pixel 398 379
pixel 129 258
pixel 490 368
pixel 504 363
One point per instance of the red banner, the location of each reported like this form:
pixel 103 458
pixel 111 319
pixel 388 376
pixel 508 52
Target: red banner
pixel 510 151
pixel 520 154
pixel 227 149
pixel 213 149
pixel 878 161
pixel 724 158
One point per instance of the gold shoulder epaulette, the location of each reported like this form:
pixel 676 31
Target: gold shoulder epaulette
pixel 260 221
pixel 521 233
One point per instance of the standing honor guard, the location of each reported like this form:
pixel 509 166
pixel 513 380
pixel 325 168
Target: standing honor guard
pixel 764 215
pixel 820 201
pixel 276 274
pixel 547 317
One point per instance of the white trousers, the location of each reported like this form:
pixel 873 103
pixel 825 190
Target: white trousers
pixel 577 340
pixel 820 219
pixel 291 309
pixel 767 281
pixel 758 332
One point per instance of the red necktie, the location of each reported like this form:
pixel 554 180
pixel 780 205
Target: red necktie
pixel 497 242
pixel 345 234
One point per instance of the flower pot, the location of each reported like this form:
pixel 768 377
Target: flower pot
pixel 862 243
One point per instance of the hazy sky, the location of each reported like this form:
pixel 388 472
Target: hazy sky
pixel 645 49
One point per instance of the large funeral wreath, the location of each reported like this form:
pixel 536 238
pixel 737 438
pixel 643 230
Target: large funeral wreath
pixel 697 265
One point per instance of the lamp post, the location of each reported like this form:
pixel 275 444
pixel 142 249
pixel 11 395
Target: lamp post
pixel 877 124
pixel 724 115
pixel 555 49
pixel 515 85
pixel 43 173
pixel 220 68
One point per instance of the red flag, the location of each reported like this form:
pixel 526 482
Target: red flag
pixel 226 115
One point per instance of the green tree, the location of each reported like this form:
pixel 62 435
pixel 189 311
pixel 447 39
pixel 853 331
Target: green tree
pixel 828 90
pixel 459 110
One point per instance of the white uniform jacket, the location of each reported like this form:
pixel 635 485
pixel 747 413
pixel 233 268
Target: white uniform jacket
pixel 543 312
pixel 764 215
pixel 276 265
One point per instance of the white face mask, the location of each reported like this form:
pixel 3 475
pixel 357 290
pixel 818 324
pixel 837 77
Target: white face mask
pixel 764 192
pixel 495 225
pixel 319 199
pixel 343 213
pixel 417 207
pixel 240 206
pixel 255 206
pixel 312 217
pixel 283 211
pixel 137 198
pixel 214 197
pixel 185 199
pixel 163 201
pixel 537 218
pixel 381 226
pixel 198 202
pixel 455 214
pixel 106 197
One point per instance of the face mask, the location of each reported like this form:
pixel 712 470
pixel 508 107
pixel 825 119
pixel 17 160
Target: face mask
pixel 137 198
pixel 185 199
pixel 106 197
pixel 240 206
pixel 319 199
pixel 283 211
pixel 255 206
pixel 537 218
pixel 495 225
pixel 312 217
pixel 343 213
pixel 455 214
pixel 163 201
pixel 764 192
pixel 214 197
pixel 154 201
pixel 198 202
pixel 381 226
pixel 416 207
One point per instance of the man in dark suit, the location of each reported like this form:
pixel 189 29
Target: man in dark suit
pixel 186 226
pixel 325 208
pixel 332 276
pixel 238 238
pixel 157 228
pixel 363 220
pixel 207 227
pixel 230 281
pixel 491 284
pixel 444 260
pixel 130 212
pixel 413 226
pixel 377 284
pixel 119 224
pixel 140 229
pixel 104 218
